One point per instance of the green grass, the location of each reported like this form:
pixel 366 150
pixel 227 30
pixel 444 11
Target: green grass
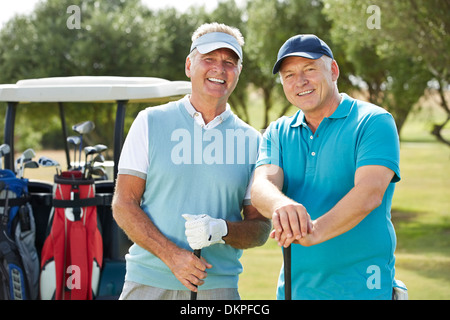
pixel 421 216
pixel 420 213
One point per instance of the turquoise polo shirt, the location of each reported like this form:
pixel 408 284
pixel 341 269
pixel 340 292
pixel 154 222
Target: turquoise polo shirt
pixel 319 170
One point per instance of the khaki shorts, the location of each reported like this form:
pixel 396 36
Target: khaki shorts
pixel 136 291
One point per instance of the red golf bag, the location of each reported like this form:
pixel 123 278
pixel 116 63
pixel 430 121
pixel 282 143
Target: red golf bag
pixel 71 258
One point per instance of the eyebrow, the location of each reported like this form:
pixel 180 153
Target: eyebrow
pixel 313 62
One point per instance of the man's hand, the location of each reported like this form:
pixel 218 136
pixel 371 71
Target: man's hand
pixel 188 269
pixel 291 222
pixel 203 231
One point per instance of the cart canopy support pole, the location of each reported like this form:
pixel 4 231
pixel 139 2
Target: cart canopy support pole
pixel 10 119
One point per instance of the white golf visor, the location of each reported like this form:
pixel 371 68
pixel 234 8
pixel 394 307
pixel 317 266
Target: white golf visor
pixel 216 40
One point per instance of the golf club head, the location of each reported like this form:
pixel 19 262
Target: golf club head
pixel 98 171
pixel 83 127
pixel 75 140
pixel 31 165
pixel 4 149
pixel 90 150
pixel 100 148
pixel 98 158
pixel 47 162
pixel 28 165
pixel 28 154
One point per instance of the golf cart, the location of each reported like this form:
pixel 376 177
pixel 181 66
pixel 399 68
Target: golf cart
pixel 86 89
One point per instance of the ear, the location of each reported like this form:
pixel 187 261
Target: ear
pixel 187 67
pixel 334 70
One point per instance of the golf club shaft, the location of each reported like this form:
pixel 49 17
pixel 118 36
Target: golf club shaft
pixel 287 273
pixel 197 253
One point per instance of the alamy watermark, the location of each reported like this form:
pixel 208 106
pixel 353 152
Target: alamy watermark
pixel 374 280
pixel 236 146
pixel 74 20
pixel 374 20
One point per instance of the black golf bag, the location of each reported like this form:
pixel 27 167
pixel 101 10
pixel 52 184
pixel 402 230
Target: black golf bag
pixel 19 263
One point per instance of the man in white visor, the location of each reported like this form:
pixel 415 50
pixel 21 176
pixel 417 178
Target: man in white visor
pixel 183 183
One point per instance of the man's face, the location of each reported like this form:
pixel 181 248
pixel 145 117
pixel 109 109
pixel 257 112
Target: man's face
pixel 214 74
pixel 308 84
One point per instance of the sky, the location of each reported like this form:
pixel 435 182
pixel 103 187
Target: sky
pixel 8 8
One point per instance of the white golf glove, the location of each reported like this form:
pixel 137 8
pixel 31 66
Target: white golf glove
pixel 203 231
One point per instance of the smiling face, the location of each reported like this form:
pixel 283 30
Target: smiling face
pixel 310 84
pixel 214 75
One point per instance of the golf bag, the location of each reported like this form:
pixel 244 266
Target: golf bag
pixel 72 253
pixel 19 263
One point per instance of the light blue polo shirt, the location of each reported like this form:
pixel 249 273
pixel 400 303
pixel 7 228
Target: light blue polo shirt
pixel 319 171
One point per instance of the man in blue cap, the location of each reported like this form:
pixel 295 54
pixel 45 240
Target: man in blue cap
pixel 183 183
pixel 326 177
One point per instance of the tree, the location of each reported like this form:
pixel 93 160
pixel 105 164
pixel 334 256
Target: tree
pixel 229 13
pixel 397 58
pixel 422 28
pixel 114 38
pixel 270 23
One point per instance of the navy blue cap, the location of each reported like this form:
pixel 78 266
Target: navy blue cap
pixel 307 46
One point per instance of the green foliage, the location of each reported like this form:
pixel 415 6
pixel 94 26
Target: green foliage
pixel 398 59
pixel 270 23
pixel 391 65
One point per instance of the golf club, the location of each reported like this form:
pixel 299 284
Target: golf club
pixel 4 150
pixel 48 162
pixel 30 165
pixel 97 171
pixel 97 149
pixel 76 142
pixel 98 158
pixel 100 148
pixel 197 253
pixel 89 150
pixel 26 156
pixel 83 128
pixel 5 218
pixel 287 273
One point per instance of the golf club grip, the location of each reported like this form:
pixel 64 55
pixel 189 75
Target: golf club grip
pixel 287 273
pixel 197 253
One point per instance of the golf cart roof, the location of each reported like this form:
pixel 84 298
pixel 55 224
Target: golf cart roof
pixel 94 89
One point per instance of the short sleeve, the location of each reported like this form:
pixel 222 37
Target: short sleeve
pixel 379 144
pixel 270 148
pixel 134 156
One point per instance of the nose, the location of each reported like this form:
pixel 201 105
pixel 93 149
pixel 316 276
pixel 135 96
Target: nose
pixel 301 80
pixel 219 67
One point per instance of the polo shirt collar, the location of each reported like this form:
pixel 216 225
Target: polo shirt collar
pixel 198 118
pixel 341 111
pixel 299 119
